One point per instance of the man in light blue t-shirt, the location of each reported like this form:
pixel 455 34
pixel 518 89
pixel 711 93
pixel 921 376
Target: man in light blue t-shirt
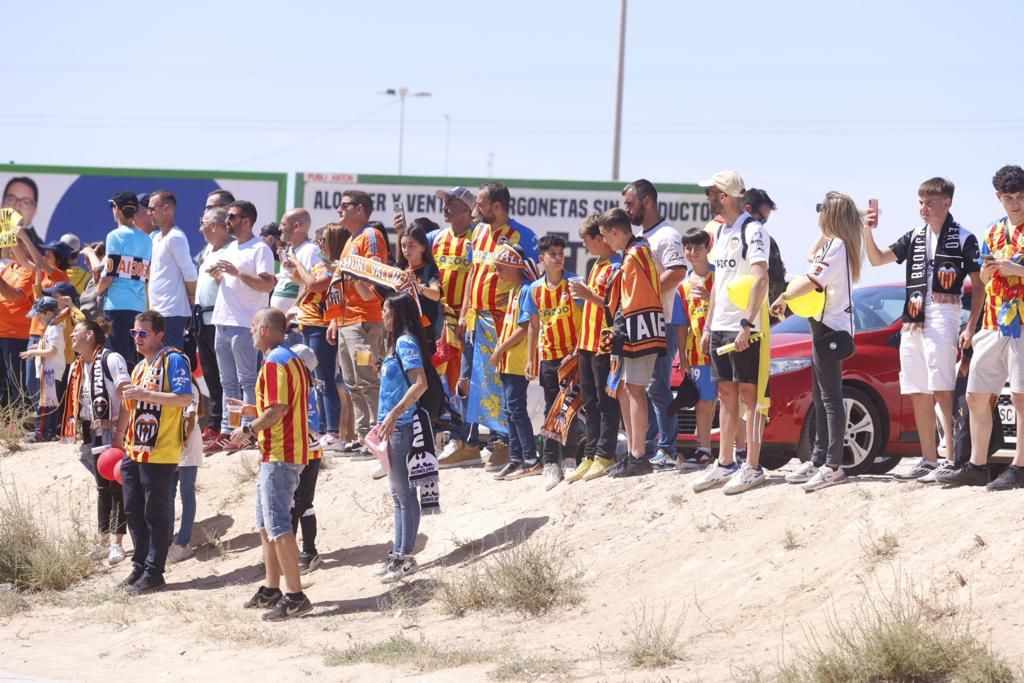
pixel 125 274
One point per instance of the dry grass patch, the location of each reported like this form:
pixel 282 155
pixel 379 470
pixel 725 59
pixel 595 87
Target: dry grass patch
pixel 789 540
pixel 532 669
pixel 653 641
pixel 530 577
pixel 246 468
pixel 14 417
pixel 41 551
pixel 399 651
pixel 879 548
pixel 903 637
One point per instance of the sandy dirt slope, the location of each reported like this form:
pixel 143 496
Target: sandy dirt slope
pixel 750 576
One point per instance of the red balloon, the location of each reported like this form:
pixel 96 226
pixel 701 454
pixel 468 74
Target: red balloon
pixel 117 472
pixel 107 461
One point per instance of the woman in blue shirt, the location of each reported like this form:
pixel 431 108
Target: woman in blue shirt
pixel 402 382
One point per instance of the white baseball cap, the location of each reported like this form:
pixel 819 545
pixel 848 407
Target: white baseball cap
pixel 728 182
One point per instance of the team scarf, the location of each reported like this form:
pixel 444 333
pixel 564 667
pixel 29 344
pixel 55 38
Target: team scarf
pixel 369 270
pixel 1007 289
pixel 144 426
pixel 91 371
pixel 633 303
pixel 567 404
pixel 421 463
pixel 947 267
pixel 507 255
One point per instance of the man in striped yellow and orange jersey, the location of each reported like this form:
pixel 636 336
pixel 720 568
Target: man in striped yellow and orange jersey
pixel 282 433
pixel 555 317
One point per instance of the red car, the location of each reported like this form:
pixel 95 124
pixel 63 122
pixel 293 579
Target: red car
pixel 880 421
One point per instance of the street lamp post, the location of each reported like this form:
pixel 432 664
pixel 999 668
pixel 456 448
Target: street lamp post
pixel 401 93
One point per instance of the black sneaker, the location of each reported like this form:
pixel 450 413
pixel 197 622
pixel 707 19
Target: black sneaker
pixel 133 577
pixel 968 475
pixel 308 562
pixel 697 460
pixel 633 467
pixel 146 584
pixel 509 469
pixel 1011 478
pixel 619 464
pixel 921 468
pixel 265 598
pixel 741 455
pixel 287 607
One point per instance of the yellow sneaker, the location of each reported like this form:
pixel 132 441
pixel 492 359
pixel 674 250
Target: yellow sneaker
pixel 579 472
pixel 598 468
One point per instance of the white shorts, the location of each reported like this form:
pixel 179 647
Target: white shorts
pixel 928 358
pixel 996 359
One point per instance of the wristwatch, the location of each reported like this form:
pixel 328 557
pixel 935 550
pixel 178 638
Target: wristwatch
pixel 746 323
pixel 247 429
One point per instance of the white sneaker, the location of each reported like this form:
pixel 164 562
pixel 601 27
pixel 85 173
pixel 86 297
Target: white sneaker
pixel 804 472
pixel 552 475
pixel 714 475
pixel 401 567
pixel 451 448
pixel 177 553
pixel 931 477
pixel 116 553
pixel 825 477
pixel 744 480
pixel 379 473
pixel 97 552
pixel 330 442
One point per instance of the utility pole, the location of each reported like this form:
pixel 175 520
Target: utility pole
pixel 617 143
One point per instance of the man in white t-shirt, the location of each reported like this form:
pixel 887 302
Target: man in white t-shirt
pixel 931 333
pixel 294 225
pixel 246 274
pixel 214 228
pixel 740 250
pixel 172 274
pixel 640 201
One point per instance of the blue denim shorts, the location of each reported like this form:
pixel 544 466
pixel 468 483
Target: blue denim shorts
pixel 275 490
pixel 701 375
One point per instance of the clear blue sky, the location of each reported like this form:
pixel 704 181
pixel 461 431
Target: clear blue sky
pixel 869 98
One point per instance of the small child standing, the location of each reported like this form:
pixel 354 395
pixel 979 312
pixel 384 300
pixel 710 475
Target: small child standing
pixel 511 360
pixel 600 410
pixel 555 317
pixel 51 364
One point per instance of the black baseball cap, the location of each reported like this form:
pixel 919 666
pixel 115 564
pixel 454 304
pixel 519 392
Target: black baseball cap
pixel 124 199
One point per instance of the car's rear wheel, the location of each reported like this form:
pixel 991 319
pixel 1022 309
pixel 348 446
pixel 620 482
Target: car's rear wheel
pixel 863 439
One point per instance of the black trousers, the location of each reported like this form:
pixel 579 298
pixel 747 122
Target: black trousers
pixel 549 383
pixel 208 361
pixel 600 410
pixel 148 488
pixel 303 503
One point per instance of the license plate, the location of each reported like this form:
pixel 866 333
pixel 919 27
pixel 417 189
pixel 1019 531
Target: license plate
pixel 1007 415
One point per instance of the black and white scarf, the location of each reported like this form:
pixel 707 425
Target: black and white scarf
pixel 947 267
pixel 421 463
pixel 144 426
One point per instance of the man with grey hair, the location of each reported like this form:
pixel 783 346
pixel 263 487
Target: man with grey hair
pixel 214 228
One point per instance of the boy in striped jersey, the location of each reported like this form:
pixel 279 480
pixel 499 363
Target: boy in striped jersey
pixel 554 322
pixel 696 294
pixel 600 411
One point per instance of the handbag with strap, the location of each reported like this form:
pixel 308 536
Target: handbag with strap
pixel 837 345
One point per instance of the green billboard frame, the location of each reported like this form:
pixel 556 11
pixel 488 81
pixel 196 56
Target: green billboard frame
pixel 280 178
pixel 448 181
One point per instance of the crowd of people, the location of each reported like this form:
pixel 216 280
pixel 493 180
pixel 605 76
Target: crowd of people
pixel 277 339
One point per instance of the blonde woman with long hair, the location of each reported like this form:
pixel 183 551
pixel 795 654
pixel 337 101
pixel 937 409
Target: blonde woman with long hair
pixel 834 269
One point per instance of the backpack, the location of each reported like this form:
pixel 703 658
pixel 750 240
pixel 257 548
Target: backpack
pixel 776 267
pixel 433 399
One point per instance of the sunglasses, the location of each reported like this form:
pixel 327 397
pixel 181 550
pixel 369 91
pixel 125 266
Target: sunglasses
pixel 141 334
pixel 817 207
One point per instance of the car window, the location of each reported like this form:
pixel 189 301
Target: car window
pixel 875 308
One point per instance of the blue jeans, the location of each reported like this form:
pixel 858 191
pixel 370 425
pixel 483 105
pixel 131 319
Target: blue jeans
pixel 275 492
pixel 11 369
pixel 664 427
pixel 238 365
pixel 407 505
pixel 174 334
pixel 148 493
pixel 120 338
pixel 522 447
pixel 327 400
pixel 185 482
pixel 31 379
pixel 466 432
